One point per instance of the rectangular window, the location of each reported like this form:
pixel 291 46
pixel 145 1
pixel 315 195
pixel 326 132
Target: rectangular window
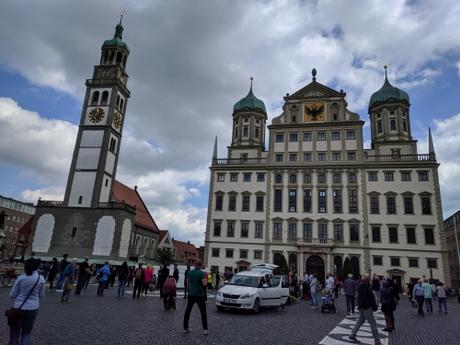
pixel 293 137
pixel 411 236
pixel 393 234
pixel 307 231
pixel 335 135
pixel 246 202
pixel 413 262
pixel 307 178
pixel 426 205
pixel 395 262
pixel 321 136
pixel 243 253
pixel 322 232
pixel 429 236
pixel 113 145
pixel 307 156
pixel 307 200
pixel 293 157
pixel 338 232
pixel 230 228
pixel 292 231
pixel 217 228
pixel 405 176
pixel 247 177
pixel 321 156
pixel 279 138
pixel 278 178
pixel 277 231
pixel 431 263
pixel 292 200
pixel 423 175
pixel 351 155
pixel 408 205
pixel 279 157
pixel 257 255
pixel 391 205
pixel 322 201
pixel 233 177
pixel 376 234
pixel 378 261
pixel 351 135
pixel 259 228
pixel 221 177
pixel 379 126
pixel 229 253
pixel 306 136
pixel 232 203
pixel 215 252
pixel 354 232
pixel 260 177
pixel 219 202
pixel 278 203
pixel 374 201
pixel 244 229
pixel 337 197
pixel 259 203
pixel 353 200
pixel 245 131
pixel 293 178
pixel 372 176
pixel 388 176
pixel 336 156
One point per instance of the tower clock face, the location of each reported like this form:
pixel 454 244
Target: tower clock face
pixel 117 119
pixel 96 115
pixel 314 112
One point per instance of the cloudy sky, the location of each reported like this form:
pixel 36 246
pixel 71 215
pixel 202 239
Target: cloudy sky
pixel 190 62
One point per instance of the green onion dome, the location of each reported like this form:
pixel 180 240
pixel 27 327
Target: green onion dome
pixel 250 102
pixel 388 93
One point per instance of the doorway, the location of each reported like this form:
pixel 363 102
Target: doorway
pixel 316 265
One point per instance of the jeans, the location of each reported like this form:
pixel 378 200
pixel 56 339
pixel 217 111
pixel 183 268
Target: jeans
pixel 101 288
pixel 80 284
pixel 350 304
pixel 376 296
pixel 137 288
pixel 121 287
pixel 442 301
pixel 314 297
pixel 366 314
pixel 145 288
pixel 429 305
pixel 420 300
pixel 60 281
pixel 201 304
pixel 23 328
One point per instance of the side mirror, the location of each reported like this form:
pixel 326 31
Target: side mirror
pixel 265 285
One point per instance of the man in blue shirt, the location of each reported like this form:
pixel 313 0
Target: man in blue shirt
pixel 103 278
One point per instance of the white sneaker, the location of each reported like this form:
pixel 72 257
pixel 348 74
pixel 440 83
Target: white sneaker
pixel 205 332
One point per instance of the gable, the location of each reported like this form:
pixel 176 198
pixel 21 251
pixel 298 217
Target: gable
pixel 315 90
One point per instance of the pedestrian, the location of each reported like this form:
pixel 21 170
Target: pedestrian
pixel 306 286
pixel 46 269
pixel 419 294
pixel 196 282
pixel 228 274
pixel 366 305
pixel 130 276
pixel 176 273
pixel 138 281
pixel 428 295
pixel 389 301
pixel 217 279
pixel 376 288
pixel 113 275
pixel 148 274
pixel 186 281
pixel 329 281
pixel 62 266
pixel 205 288
pixel 90 272
pixel 210 280
pixel 54 269
pixel 27 290
pixel 442 297
pixel 122 278
pixel 162 276
pixel 314 287
pixel 103 279
pixel 82 276
pixel 349 288
pixel 169 293
pixel 70 274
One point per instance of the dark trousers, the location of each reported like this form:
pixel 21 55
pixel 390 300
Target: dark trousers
pixel 205 292
pixel 185 291
pixel 51 277
pixel 420 300
pixel 137 288
pixel 101 287
pixel 168 301
pixel 429 305
pixel 66 293
pixel 23 328
pixel 201 304
pixel 80 284
pixel 145 288
pixel 350 304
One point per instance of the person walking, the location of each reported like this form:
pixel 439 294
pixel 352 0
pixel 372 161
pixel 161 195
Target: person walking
pixel 314 286
pixel 122 278
pixel 27 290
pixel 138 281
pixel 186 281
pixel 349 289
pixel 103 279
pixel 62 266
pixel 419 294
pixel 442 297
pixel 162 276
pixel 376 288
pixel 217 279
pixel 389 302
pixel 70 274
pixel 130 276
pixel 196 282
pixel 329 281
pixel 148 274
pixel 54 269
pixel 428 295
pixel 228 274
pixel 169 293
pixel 366 305
pixel 176 273
pixel 82 276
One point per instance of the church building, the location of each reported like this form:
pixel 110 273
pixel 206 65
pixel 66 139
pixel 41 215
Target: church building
pixel 321 200
pixel 100 217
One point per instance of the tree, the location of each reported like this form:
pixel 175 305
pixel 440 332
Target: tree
pixel 280 260
pixel 165 256
pixel 346 268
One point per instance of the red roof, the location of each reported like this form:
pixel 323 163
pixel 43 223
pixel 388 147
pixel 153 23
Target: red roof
pixel 185 247
pixel 121 192
pixel 163 234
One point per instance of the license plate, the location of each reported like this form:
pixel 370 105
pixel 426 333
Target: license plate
pixel 229 300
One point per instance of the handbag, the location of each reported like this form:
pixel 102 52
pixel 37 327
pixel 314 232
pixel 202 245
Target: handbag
pixel 14 314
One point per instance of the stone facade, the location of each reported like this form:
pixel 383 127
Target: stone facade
pixel 452 227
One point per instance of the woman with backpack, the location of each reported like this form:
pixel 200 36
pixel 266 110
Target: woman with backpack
pixel 388 299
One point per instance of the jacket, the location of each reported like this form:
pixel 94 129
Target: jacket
pixel 365 296
pixel 104 273
pixel 349 287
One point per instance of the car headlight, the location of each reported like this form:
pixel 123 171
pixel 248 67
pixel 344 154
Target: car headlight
pixel 246 295
pixel 220 294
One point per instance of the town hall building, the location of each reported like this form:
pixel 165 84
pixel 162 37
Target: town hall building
pixel 318 197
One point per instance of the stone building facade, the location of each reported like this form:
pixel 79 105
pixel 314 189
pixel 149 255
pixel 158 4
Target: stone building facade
pixel 318 197
pixel 452 228
pixel 99 217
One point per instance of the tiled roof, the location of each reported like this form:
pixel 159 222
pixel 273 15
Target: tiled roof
pixel 121 192
pixel 185 247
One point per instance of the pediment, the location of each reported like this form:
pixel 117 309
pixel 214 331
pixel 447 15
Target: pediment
pixel 315 90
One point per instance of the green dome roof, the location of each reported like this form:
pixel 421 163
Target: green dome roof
pixel 117 40
pixel 250 102
pixel 388 92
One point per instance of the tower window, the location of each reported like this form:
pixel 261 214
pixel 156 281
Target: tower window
pixel 256 132
pixel 95 98
pixel 118 101
pixel 80 200
pixel 405 126
pixel 121 104
pixel 74 232
pixel 105 97
pixel 334 117
pixel 106 182
pixel 119 57
pixel 392 124
pixel 245 131
pixel 113 145
pixel 124 61
pixel 379 127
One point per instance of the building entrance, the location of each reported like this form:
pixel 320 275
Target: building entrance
pixel 316 265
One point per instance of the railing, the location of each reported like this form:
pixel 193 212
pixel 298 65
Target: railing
pixel 399 157
pixel 50 203
pixel 240 161
pixel 110 204
pixel 315 241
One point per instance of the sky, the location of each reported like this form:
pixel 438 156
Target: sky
pixel 190 61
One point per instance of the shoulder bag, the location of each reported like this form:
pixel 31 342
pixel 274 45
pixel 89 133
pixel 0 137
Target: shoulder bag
pixel 14 314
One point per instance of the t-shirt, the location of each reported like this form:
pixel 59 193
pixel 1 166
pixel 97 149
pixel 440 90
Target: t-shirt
pixel 329 283
pixel 441 291
pixel 195 279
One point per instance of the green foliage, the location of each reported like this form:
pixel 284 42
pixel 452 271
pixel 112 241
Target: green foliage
pixel 280 260
pixel 346 270
pixel 165 256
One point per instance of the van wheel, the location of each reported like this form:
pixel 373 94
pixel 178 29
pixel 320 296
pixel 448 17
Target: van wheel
pixel 256 307
pixel 219 308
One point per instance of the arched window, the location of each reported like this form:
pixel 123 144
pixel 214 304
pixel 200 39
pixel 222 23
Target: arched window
pixel 405 126
pixel 355 267
pixel 110 57
pixel 95 98
pixel 256 133
pixel 293 262
pixel 322 178
pixel 121 104
pixel 337 178
pixel 124 61
pixel 118 101
pixel 352 178
pixel 338 266
pixel 392 124
pixel 334 117
pixel 105 97
pixel 119 57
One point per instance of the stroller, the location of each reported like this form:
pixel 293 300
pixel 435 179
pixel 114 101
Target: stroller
pixel 328 301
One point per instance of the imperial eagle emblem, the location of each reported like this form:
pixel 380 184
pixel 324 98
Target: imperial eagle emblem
pixel 314 111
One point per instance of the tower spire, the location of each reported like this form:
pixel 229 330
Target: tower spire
pixel 119 29
pixel 430 142
pixel 252 78
pixel 214 152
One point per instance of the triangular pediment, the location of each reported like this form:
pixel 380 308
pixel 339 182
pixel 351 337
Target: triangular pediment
pixel 315 90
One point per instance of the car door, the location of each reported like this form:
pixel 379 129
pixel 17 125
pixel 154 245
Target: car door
pixel 271 295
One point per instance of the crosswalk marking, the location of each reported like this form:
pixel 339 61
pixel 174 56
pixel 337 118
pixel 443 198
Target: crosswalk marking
pixel 157 294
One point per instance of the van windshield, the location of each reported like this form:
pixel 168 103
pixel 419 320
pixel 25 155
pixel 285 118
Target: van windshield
pixel 242 280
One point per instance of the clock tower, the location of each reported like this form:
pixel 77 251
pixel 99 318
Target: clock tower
pixel 95 157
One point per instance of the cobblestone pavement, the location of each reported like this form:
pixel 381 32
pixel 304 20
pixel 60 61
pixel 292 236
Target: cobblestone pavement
pixel 118 321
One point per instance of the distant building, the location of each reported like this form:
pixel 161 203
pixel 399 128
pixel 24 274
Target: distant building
pixel 201 253
pixel 166 242
pixel 13 215
pixel 452 228
pixel 186 252
pixel 22 240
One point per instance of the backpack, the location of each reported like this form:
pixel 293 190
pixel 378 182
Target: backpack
pixel 139 274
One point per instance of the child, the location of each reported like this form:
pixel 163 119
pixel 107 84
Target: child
pixel 169 293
